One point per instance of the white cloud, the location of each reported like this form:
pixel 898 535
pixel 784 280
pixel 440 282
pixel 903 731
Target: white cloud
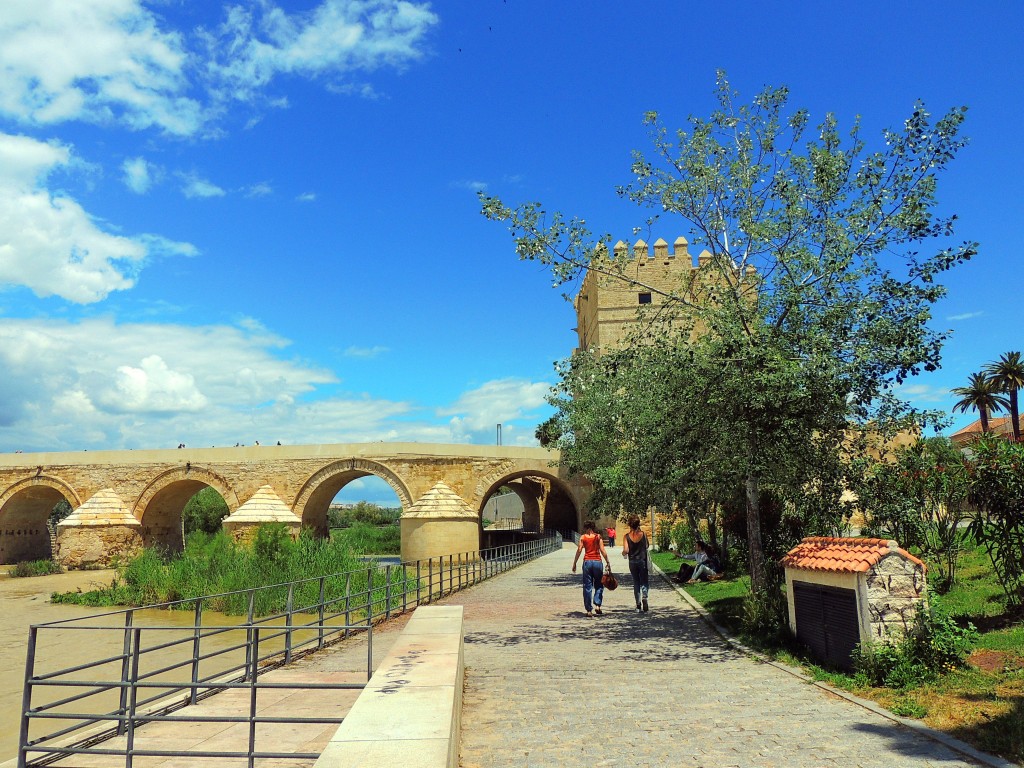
pixel 471 185
pixel 965 316
pixel 48 242
pixel 306 197
pixel 259 189
pixel 922 394
pixel 152 388
pixel 100 384
pixel 138 174
pixel 476 413
pixel 196 187
pixel 365 351
pixel 93 60
pixel 255 44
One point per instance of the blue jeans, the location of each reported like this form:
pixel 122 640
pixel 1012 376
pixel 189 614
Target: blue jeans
pixel 641 580
pixel 593 570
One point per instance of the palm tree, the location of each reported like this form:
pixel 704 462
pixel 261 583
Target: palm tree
pixel 1008 374
pixel 983 394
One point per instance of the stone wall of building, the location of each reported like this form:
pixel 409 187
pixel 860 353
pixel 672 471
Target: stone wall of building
pixel 896 589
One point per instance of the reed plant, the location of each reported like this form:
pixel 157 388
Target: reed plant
pixel 214 564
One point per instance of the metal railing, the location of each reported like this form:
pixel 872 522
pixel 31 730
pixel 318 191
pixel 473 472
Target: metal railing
pixel 139 682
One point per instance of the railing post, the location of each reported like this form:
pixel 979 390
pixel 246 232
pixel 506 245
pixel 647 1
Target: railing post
pixel 418 583
pixel 369 596
pixel 196 649
pixel 132 698
pixel 248 631
pixel 129 618
pixel 253 674
pixel 451 574
pixel 348 599
pixel 289 603
pixel 405 587
pixel 320 614
pixel 369 653
pixel 26 696
pixel 387 591
pixel 430 579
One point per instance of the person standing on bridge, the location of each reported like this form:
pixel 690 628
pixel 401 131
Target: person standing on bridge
pixel 592 545
pixel 635 547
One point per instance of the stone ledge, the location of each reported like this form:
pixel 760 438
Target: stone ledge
pixel 411 709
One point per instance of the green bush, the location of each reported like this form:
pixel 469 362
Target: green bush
pixel 34 568
pixel 683 537
pixel 204 512
pixel 935 644
pixel 765 617
pixel 363 512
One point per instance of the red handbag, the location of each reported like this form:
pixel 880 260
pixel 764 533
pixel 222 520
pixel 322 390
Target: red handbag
pixel 608 581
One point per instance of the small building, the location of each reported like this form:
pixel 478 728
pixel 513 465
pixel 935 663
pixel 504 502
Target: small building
pixel 845 591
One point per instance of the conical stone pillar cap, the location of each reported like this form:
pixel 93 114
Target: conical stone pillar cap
pixel 265 506
pixel 440 503
pixel 103 508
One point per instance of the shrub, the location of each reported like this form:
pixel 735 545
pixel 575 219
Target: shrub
pixel 683 537
pixel 935 644
pixel 34 568
pixel 765 617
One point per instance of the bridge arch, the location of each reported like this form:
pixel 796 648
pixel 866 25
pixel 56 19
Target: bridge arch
pixel 158 508
pixel 557 506
pixel 25 508
pixel 314 498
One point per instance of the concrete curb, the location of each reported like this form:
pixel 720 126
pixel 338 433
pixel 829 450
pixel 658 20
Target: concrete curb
pixel 953 743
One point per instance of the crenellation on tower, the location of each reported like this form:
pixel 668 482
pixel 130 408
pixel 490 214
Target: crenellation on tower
pixel 608 302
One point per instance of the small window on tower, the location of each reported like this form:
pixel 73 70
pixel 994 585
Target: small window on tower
pixel 645 298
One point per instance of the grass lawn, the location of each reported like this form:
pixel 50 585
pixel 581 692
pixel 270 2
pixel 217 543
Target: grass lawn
pixel 981 704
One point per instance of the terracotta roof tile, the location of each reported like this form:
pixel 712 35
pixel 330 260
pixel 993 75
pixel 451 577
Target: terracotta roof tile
pixel 842 555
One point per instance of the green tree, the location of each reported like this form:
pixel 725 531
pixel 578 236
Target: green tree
pixel 548 431
pixel 204 512
pixel 981 394
pixel 997 489
pixel 1008 375
pixel 920 500
pixel 816 297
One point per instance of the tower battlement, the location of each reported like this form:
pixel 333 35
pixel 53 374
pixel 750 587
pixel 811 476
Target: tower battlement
pixel 637 275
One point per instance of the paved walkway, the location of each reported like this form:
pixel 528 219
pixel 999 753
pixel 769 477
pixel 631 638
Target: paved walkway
pixel 546 686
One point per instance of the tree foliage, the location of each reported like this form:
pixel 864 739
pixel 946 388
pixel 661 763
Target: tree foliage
pixel 921 500
pixel 813 306
pixel 997 489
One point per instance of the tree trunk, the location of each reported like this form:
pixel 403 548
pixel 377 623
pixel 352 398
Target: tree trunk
pixel 757 575
pixel 1014 416
pixel 984 419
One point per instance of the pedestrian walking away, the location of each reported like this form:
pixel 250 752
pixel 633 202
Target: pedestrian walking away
pixel 592 546
pixel 635 547
pixel 610 530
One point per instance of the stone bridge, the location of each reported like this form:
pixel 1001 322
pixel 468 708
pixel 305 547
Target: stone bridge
pixel 123 499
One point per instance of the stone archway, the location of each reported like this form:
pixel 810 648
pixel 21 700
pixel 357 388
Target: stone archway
pixel 24 510
pixel 160 505
pixel 557 508
pixel 314 498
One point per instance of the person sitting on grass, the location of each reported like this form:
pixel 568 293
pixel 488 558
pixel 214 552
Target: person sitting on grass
pixel 707 563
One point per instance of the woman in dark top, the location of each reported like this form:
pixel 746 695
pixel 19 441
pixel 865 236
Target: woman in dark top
pixel 634 546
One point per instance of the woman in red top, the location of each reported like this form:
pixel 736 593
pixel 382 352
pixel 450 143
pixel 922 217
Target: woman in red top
pixel 592 545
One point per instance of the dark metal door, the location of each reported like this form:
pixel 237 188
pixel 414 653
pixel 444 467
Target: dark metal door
pixel 826 621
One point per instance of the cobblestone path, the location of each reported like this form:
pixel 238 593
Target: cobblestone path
pixel 546 686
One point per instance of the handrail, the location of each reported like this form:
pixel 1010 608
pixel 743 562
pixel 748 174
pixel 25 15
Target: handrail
pixel 128 693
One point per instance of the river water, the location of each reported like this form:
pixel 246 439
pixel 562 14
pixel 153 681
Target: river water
pixel 25 601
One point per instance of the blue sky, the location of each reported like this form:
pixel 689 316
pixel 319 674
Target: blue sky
pixel 258 220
